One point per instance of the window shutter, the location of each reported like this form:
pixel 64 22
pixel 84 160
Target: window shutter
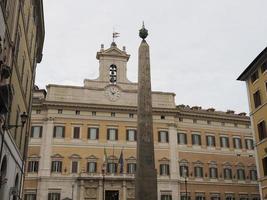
pixel 246 143
pixel 201 171
pixel 167 136
pixel 168 169
pixel 199 136
pixel 161 170
pixel 193 141
pixel 207 140
pixel 234 142
pixel 195 171
pixel 159 139
pixel 181 170
pixel 240 143
pixel 108 130
pixel 95 167
pixel 88 133
pixel 185 138
pixel 127 135
pixel 41 132
pixel 87 167
pixel 54 132
pixel 97 133
pixel 32 131
pixel 178 138
pixel 63 131
pixel 135 135
pixel 116 166
pixel 211 172
pixel 221 141
pixel 49 196
pixel 116 132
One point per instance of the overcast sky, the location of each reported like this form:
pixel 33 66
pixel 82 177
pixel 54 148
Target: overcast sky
pixel 198 48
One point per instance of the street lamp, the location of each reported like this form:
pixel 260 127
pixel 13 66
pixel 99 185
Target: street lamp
pixel 185 181
pixel 23 119
pixel 103 185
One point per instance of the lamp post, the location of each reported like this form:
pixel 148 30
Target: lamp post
pixel 185 182
pixel 103 185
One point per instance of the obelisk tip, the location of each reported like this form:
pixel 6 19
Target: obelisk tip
pixel 143 33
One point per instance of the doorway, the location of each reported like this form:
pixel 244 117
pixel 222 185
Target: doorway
pixel 111 195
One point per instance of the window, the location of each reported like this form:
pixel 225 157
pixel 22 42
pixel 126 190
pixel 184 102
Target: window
pixel 215 196
pixel 213 172
pixel 59 111
pixel 56 166
pixel 237 143
pixel 200 196
pixel 264 165
pixel 36 131
pixel 59 132
pixel 264 67
pixel 229 197
pixel 131 168
pixel 257 99
pixel 262 130
pixel 112 168
pixel 165 197
pixel 194 121
pixel 77 112
pixel 93 113
pixel 163 136
pixel 131 135
pixel 180 119
pixel 91 167
pixel 240 174
pixel 38 111
pixel 30 196
pixel 210 139
pixel 93 133
pixel 131 115
pixel 227 173
pixel 198 172
pixel 74 167
pixel 53 196
pixel 162 117
pixel 196 139
pixel 184 171
pixel 112 114
pixel 249 144
pixel 76 132
pixel 182 138
pixel 254 77
pixel 112 134
pixel 253 175
pixel 164 169
pixel 113 74
pixel 224 142
pixel 33 166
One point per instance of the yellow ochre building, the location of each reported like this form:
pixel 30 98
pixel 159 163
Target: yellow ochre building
pixel 205 152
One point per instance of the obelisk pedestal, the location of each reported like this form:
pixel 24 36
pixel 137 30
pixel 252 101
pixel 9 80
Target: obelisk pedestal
pixel 146 174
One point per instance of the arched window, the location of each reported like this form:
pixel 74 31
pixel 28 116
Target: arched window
pixel 113 74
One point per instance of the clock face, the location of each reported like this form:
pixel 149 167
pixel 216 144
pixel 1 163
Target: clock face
pixel 113 93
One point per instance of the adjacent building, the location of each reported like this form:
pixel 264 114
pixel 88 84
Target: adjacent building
pixel 255 76
pixel 83 142
pixel 21 44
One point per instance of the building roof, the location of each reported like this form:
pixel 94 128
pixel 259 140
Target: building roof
pixel 253 66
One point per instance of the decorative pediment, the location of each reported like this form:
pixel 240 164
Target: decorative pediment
pixel 75 156
pixel 183 161
pixel 57 156
pixel 239 164
pixel 92 157
pixel 33 156
pixel 112 158
pixel 164 159
pixel 131 158
pixel 198 162
pixel 227 164
pixel 212 162
pixel 113 52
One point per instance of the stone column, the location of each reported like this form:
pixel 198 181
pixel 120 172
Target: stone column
pixel 81 190
pixel 100 189
pixel 124 190
pixel 146 174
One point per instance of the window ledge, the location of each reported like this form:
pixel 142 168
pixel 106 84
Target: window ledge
pixel 194 146
pixel 92 141
pixel 225 149
pixel 198 179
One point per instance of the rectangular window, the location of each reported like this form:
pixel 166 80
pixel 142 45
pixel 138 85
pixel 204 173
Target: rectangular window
pixel 165 197
pixel 112 168
pixel 264 165
pixel 254 77
pixel 249 144
pixel 213 172
pixel 240 174
pixel 224 142
pixel 198 172
pixel 196 139
pixel 262 130
pixel 59 132
pixel 112 114
pixel 210 139
pixel 131 135
pixel 74 167
pixel 182 138
pixel 131 115
pixel 237 143
pixel 30 196
pixel 131 168
pixel 112 134
pixel 56 166
pixel 53 196
pixel 33 166
pixel 163 136
pixel 93 133
pixel 76 132
pixel 36 131
pixel 253 175
pixel 227 173
pixel 257 99
pixel 77 112
pixel 184 171
pixel 91 167
pixel 164 169
pixel 59 111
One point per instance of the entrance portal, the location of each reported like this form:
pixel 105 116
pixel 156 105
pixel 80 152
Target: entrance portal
pixel 111 195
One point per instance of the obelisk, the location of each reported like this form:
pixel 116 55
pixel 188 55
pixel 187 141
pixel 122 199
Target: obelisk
pixel 146 174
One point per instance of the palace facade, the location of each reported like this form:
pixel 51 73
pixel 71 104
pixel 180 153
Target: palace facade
pixel 83 142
